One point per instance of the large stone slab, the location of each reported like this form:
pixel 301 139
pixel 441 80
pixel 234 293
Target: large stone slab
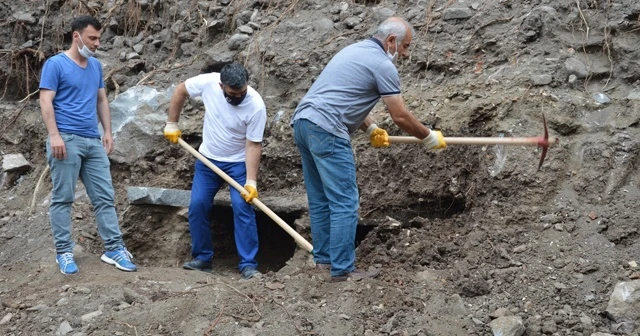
pixel 624 303
pixel 181 198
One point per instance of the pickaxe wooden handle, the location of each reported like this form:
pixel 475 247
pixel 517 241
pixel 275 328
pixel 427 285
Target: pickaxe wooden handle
pixel 542 141
pixel 296 236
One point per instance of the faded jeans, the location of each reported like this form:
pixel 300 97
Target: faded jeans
pixel 87 159
pixel 330 179
pixel 206 184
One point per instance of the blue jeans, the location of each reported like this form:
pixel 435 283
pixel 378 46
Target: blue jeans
pixel 330 179
pixel 87 159
pixel 206 184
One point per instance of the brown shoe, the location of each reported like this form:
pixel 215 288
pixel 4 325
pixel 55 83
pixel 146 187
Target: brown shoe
pixel 357 275
pixel 323 267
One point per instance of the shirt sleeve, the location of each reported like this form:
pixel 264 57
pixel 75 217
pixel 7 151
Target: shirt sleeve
pixel 387 79
pixel 257 123
pixel 101 84
pixel 195 85
pixel 49 79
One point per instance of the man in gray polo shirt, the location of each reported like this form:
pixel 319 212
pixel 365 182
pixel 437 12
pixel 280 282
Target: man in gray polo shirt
pixel 337 104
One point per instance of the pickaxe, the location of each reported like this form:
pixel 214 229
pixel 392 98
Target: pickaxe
pixel 542 141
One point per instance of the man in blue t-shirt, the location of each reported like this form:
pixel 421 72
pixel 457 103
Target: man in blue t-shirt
pixel 73 100
pixel 337 104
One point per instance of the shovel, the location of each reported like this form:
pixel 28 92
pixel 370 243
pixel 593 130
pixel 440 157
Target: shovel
pixel 542 141
pixel 296 236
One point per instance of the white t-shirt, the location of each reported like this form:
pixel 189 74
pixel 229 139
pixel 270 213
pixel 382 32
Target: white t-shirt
pixel 226 127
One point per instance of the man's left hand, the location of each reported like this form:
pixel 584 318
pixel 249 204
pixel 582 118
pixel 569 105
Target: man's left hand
pixel 252 187
pixel 107 143
pixel 378 136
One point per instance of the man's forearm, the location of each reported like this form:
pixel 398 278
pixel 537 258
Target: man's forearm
pixel 49 118
pixel 368 121
pixel 253 153
pixel 104 114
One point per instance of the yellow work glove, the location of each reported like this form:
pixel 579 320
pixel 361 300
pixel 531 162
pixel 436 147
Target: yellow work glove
pixel 252 187
pixel 435 140
pixel 378 136
pixel 172 132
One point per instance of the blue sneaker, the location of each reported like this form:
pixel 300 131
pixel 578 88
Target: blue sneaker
pixel 66 263
pixel 121 258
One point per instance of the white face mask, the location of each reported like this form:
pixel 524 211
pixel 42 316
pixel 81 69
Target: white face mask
pixel 393 57
pixel 84 51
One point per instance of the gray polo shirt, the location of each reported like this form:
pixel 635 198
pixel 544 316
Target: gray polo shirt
pixel 349 87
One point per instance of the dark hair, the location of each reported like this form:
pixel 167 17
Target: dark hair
pixel 234 75
pixel 82 22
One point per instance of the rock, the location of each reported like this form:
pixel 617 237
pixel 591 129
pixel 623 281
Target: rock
pixel 130 296
pixel 64 329
pixel 576 67
pixel 352 21
pixel 245 30
pixel 238 41
pixel 132 55
pixel 549 327
pixel 507 326
pixel 37 307
pixel 541 80
pixel 25 17
pixel 158 196
pixel 634 95
pixel 15 163
pixel 520 248
pixel 383 13
pixel 624 303
pixel 6 319
pixel 216 59
pixel 139 48
pixel 189 49
pixel 90 316
pixel 457 13
pixel 215 27
pixel 499 313
pixel 601 334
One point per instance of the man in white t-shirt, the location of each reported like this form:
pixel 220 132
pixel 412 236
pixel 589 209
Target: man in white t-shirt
pixel 234 121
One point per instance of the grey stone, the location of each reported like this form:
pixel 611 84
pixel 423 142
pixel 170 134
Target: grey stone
pixel 541 79
pixel 25 17
pixel 507 326
pixel 6 318
pixel 254 25
pixel 238 41
pixel 130 297
pixel 132 55
pixel 576 67
pixel 624 303
pixel 177 27
pixel 634 95
pixel 139 48
pixel 499 313
pixel 114 25
pixel 352 21
pixel 457 13
pixel 601 334
pixel 15 163
pixel 181 198
pixel 215 27
pixel 218 58
pixel 90 316
pixel 383 13
pixel 27 44
pixel 245 30
pixel 64 329
pixel 189 49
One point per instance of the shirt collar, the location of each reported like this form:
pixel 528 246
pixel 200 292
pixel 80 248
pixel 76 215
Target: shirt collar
pixel 377 42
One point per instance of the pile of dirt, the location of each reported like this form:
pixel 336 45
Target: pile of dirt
pixel 469 239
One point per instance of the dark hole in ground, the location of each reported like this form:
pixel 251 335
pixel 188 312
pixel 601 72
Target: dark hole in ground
pixel 276 245
pixel 442 207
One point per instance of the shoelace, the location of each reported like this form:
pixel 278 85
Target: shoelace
pixel 66 258
pixel 125 254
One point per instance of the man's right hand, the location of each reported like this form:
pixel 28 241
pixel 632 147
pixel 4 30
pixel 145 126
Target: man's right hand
pixel 435 140
pixel 58 150
pixel 172 132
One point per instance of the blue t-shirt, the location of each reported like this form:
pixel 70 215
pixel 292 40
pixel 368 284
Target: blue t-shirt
pixel 349 87
pixel 76 102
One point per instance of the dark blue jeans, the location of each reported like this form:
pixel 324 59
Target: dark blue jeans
pixel 206 184
pixel 330 179
pixel 87 159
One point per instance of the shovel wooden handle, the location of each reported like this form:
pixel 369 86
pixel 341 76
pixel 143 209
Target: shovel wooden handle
pixel 533 141
pixel 296 236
